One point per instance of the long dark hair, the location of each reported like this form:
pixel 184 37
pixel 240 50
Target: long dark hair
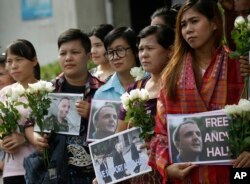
pixel 210 10
pixel 24 48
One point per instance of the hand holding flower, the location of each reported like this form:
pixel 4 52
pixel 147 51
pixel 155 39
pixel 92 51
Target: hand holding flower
pixel 39 102
pixel 243 160
pixel 12 142
pixel 136 114
pixel 41 142
pixel 241 36
pixel 244 66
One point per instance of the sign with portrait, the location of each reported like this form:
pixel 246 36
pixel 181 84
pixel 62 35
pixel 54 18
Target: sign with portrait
pixel 62 115
pixel 118 157
pixel 103 119
pixel 199 138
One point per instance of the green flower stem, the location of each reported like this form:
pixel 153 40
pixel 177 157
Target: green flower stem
pixel 245 92
pixel 139 117
pixel 46 156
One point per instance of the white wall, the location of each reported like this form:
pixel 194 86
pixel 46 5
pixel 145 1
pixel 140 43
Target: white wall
pixel 42 33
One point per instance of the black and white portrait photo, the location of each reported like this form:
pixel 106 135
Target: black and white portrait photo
pixel 62 115
pixel 119 157
pixel 103 119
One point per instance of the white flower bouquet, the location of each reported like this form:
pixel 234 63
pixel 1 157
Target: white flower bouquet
pixel 239 127
pixel 138 73
pixel 241 36
pixel 9 114
pixel 133 103
pixel 39 102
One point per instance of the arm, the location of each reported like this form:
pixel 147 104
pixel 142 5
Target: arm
pixel 11 142
pixel 122 125
pixel 40 142
pixel 244 66
pixel 159 153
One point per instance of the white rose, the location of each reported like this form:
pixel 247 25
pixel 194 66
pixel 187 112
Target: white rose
pixel 8 92
pixel 134 94
pixel 28 90
pixel 144 94
pixel 33 88
pixel 19 90
pixel 232 109
pixel 248 18
pixel 15 92
pixel 238 21
pixel 134 71
pixel 42 84
pixel 14 97
pixel 125 100
pixel 244 105
pixel 49 87
pixel 137 72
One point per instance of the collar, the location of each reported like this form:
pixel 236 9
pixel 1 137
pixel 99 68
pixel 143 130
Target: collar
pixel 114 82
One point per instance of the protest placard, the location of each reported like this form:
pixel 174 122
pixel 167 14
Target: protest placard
pixel 200 138
pixel 103 119
pixel 118 157
pixel 62 115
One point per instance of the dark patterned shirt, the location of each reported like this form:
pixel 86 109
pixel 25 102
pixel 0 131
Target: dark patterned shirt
pixel 77 146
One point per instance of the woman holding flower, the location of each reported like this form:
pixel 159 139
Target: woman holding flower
pixel 154 53
pixel 200 77
pixel 22 64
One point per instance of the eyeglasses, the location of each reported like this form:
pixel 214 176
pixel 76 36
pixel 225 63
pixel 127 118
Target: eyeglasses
pixel 120 52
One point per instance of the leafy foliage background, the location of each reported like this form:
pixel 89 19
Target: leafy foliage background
pixel 51 70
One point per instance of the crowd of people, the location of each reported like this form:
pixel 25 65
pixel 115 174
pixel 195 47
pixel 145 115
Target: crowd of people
pixel 188 70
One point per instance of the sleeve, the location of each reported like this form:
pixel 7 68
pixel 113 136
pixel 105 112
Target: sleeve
pixel 159 155
pixel 28 123
pixel 122 113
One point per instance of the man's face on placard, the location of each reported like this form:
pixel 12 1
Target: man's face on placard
pixel 63 108
pixel 190 140
pixel 107 119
